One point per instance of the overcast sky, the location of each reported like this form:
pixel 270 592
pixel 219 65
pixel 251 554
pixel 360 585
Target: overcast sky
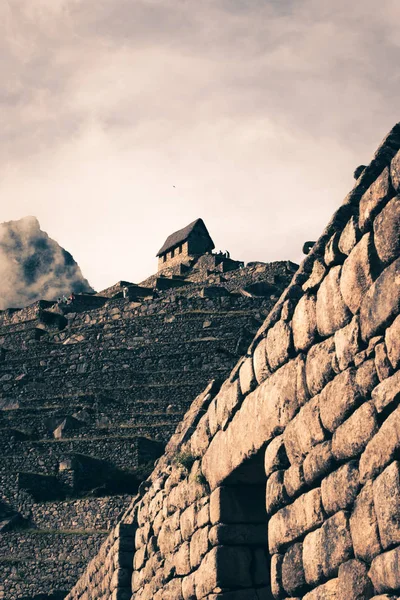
pixel 124 120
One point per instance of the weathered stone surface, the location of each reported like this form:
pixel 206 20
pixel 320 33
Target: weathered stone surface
pixel 246 376
pixel 347 343
pixel 293 521
pixel 386 232
pixel 304 323
pixel 336 543
pixel 198 547
pixel 293 579
pixel 350 438
pixel 349 237
pixel 312 557
pixel 332 255
pixel 353 581
pixel 182 559
pixel 385 571
pixel 381 449
pixel 382 302
pixel 332 312
pixel 317 274
pixel 387 393
pixel 304 432
pixel 188 522
pixel 340 488
pixel 227 400
pixel 276 496
pixel 260 362
pixel 238 534
pixel 189 587
pixel 277 400
pixel 235 505
pixel 356 277
pixel 318 462
pixel 276 576
pixel 366 377
pixel 327 591
pixel 275 456
pixel 382 363
pixel 373 199
pixel 392 339
pixel 319 365
pixel 223 567
pixel 294 481
pixel 395 171
pixel 364 525
pixel 387 507
pixel 338 399
pixel 279 343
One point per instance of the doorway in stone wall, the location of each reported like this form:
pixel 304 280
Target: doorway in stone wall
pixel 239 531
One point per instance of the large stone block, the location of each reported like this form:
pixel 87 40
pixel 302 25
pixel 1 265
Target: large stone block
pixel 366 377
pixel 357 276
pixel 350 438
pixel 387 507
pixel 332 254
pixel 275 456
pixel 332 312
pixel 381 303
pixel 276 496
pixel 338 399
pixel 260 361
pixel 327 591
pixel 387 393
pixel 382 363
pixel 392 339
pixel 223 567
pixel 291 522
pixel 247 377
pixel 374 199
pixel 353 581
pixel 364 525
pixel 381 449
pixel 304 432
pixel 347 343
pixel 293 579
pixel 340 488
pixel 318 462
pixel 182 559
pixel 279 343
pixel 276 576
pixel 304 323
pixel 349 236
pixel 320 365
pixel 385 571
pixel 294 481
pixel 336 544
pixel 386 232
pixel 318 272
pixel 198 547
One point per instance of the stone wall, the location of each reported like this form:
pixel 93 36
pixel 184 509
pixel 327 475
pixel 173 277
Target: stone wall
pixel 285 482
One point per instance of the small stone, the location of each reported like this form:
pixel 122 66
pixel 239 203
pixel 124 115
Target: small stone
pixel 338 399
pixel 387 392
pixel 319 367
pixel 279 342
pixel 312 557
pixel 395 171
pixel 294 480
pixel 260 363
pixel 366 377
pixel 276 576
pixel 364 525
pixel 246 376
pixel 382 362
pixel 275 456
pixel 392 339
pixel 293 578
pixel 386 501
pixel 276 496
pixel 304 323
pixel 336 543
pixel 385 571
pixel 340 488
pixel 318 462
pixel 386 232
pixel 304 432
pixel 356 277
pixel 332 312
pixel 332 255
pixel 353 581
pixel 374 199
pixel 347 343
pixel 350 438
pixel 317 274
pixel 349 237
pixel 381 449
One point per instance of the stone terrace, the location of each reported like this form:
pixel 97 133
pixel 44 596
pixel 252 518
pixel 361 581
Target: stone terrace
pixel 89 395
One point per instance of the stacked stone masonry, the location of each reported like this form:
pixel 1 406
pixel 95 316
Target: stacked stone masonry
pixel 89 395
pixel 284 481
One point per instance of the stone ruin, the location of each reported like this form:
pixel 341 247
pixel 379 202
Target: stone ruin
pixel 282 480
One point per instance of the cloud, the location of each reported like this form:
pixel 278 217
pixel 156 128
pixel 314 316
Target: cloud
pixel 257 111
pixel 33 266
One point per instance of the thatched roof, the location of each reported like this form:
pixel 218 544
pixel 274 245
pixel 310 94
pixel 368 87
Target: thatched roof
pixel 180 236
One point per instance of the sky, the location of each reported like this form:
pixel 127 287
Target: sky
pixel 124 120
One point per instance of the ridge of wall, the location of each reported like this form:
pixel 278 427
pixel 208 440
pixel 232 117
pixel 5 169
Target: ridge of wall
pixel 284 482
